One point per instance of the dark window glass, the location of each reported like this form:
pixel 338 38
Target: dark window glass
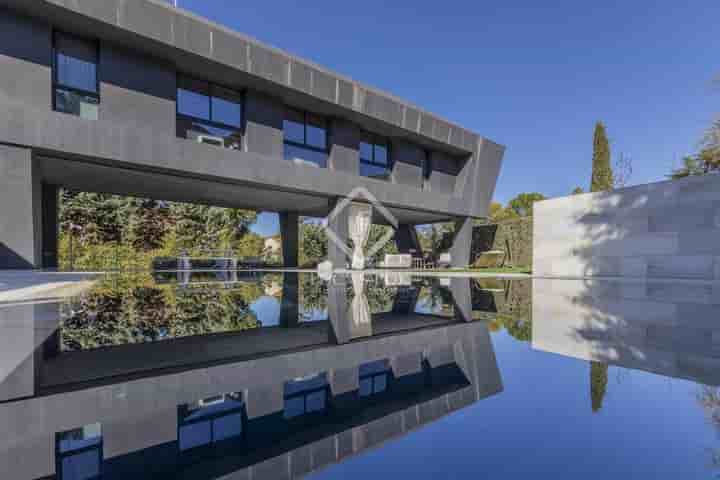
pixel 210 420
pixel 305 156
pixel 366 151
pixel 374 157
pixel 79 453
pixel 294 126
pixel 305 138
pixel 316 132
pixel 81 105
pixel 226 107
pixel 374 377
pixel 193 104
pixel 306 395
pixel 209 114
pixel 76 63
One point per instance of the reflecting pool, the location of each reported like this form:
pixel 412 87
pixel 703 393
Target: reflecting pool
pixel 264 375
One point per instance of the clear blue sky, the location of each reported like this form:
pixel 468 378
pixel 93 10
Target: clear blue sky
pixel 532 75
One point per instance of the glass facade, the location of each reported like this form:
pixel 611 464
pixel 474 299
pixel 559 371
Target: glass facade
pixel 374 378
pixel 209 114
pixel 306 138
pixel 75 77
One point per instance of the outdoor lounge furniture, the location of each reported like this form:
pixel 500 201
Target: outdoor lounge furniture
pixel 401 260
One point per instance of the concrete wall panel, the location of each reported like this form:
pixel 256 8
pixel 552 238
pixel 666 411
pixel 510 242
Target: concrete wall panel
pixel 25 60
pixel 137 90
pixel 660 230
pixel 147 19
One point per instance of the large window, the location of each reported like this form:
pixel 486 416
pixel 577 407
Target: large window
pixel 306 395
pixel 209 114
pixel 306 139
pixel 375 157
pixel 76 89
pixel 79 453
pixel 211 420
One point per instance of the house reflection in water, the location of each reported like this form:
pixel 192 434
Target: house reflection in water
pixel 297 400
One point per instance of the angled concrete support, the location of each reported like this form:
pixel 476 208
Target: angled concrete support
pixel 462 239
pixel 290 238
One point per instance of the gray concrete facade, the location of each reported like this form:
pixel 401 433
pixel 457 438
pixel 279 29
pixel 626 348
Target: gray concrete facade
pixel 661 230
pixel 440 171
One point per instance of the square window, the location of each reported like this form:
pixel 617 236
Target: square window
pixel 381 155
pixel 366 151
pixel 380 383
pixel 79 453
pixel 294 126
pixel 83 106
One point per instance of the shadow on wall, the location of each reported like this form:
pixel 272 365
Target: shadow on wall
pixel 661 230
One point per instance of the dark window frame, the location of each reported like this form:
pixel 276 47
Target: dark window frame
pixel 56 85
pixel 210 122
pixel 210 418
pixel 304 144
pixel 60 456
pixel 372 377
pixel 376 140
pixel 305 394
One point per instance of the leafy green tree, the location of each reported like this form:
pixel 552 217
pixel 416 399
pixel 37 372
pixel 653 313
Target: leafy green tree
pixel 313 243
pixel 498 213
pixel 148 224
pixel 577 191
pixel 377 232
pixel 250 245
pixel 522 205
pixel 691 166
pixel 602 174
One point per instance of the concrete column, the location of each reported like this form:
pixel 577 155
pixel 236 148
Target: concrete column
pixel 290 304
pixel 344 147
pixel 462 299
pixel 460 249
pixel 290 238
pixel 20 210
pixel 338 223
pixel 406 239
pixel 264 125
pixel 50 225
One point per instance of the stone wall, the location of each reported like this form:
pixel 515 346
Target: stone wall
pixel 514 237
pixel 661 230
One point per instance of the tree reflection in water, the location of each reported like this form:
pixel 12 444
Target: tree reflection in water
pixel 135 310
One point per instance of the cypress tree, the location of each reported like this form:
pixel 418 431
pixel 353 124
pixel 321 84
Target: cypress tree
pixel 602 175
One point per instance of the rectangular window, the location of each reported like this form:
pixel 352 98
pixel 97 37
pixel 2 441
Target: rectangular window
pixel 79 453
pixel 306 139
pixel 209 113
pixel 210 420
pixel 375 157
pixel 76 89
pixel 306 395
pixel 374 377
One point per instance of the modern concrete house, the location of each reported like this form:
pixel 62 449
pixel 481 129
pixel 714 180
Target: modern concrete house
pixel 137 97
